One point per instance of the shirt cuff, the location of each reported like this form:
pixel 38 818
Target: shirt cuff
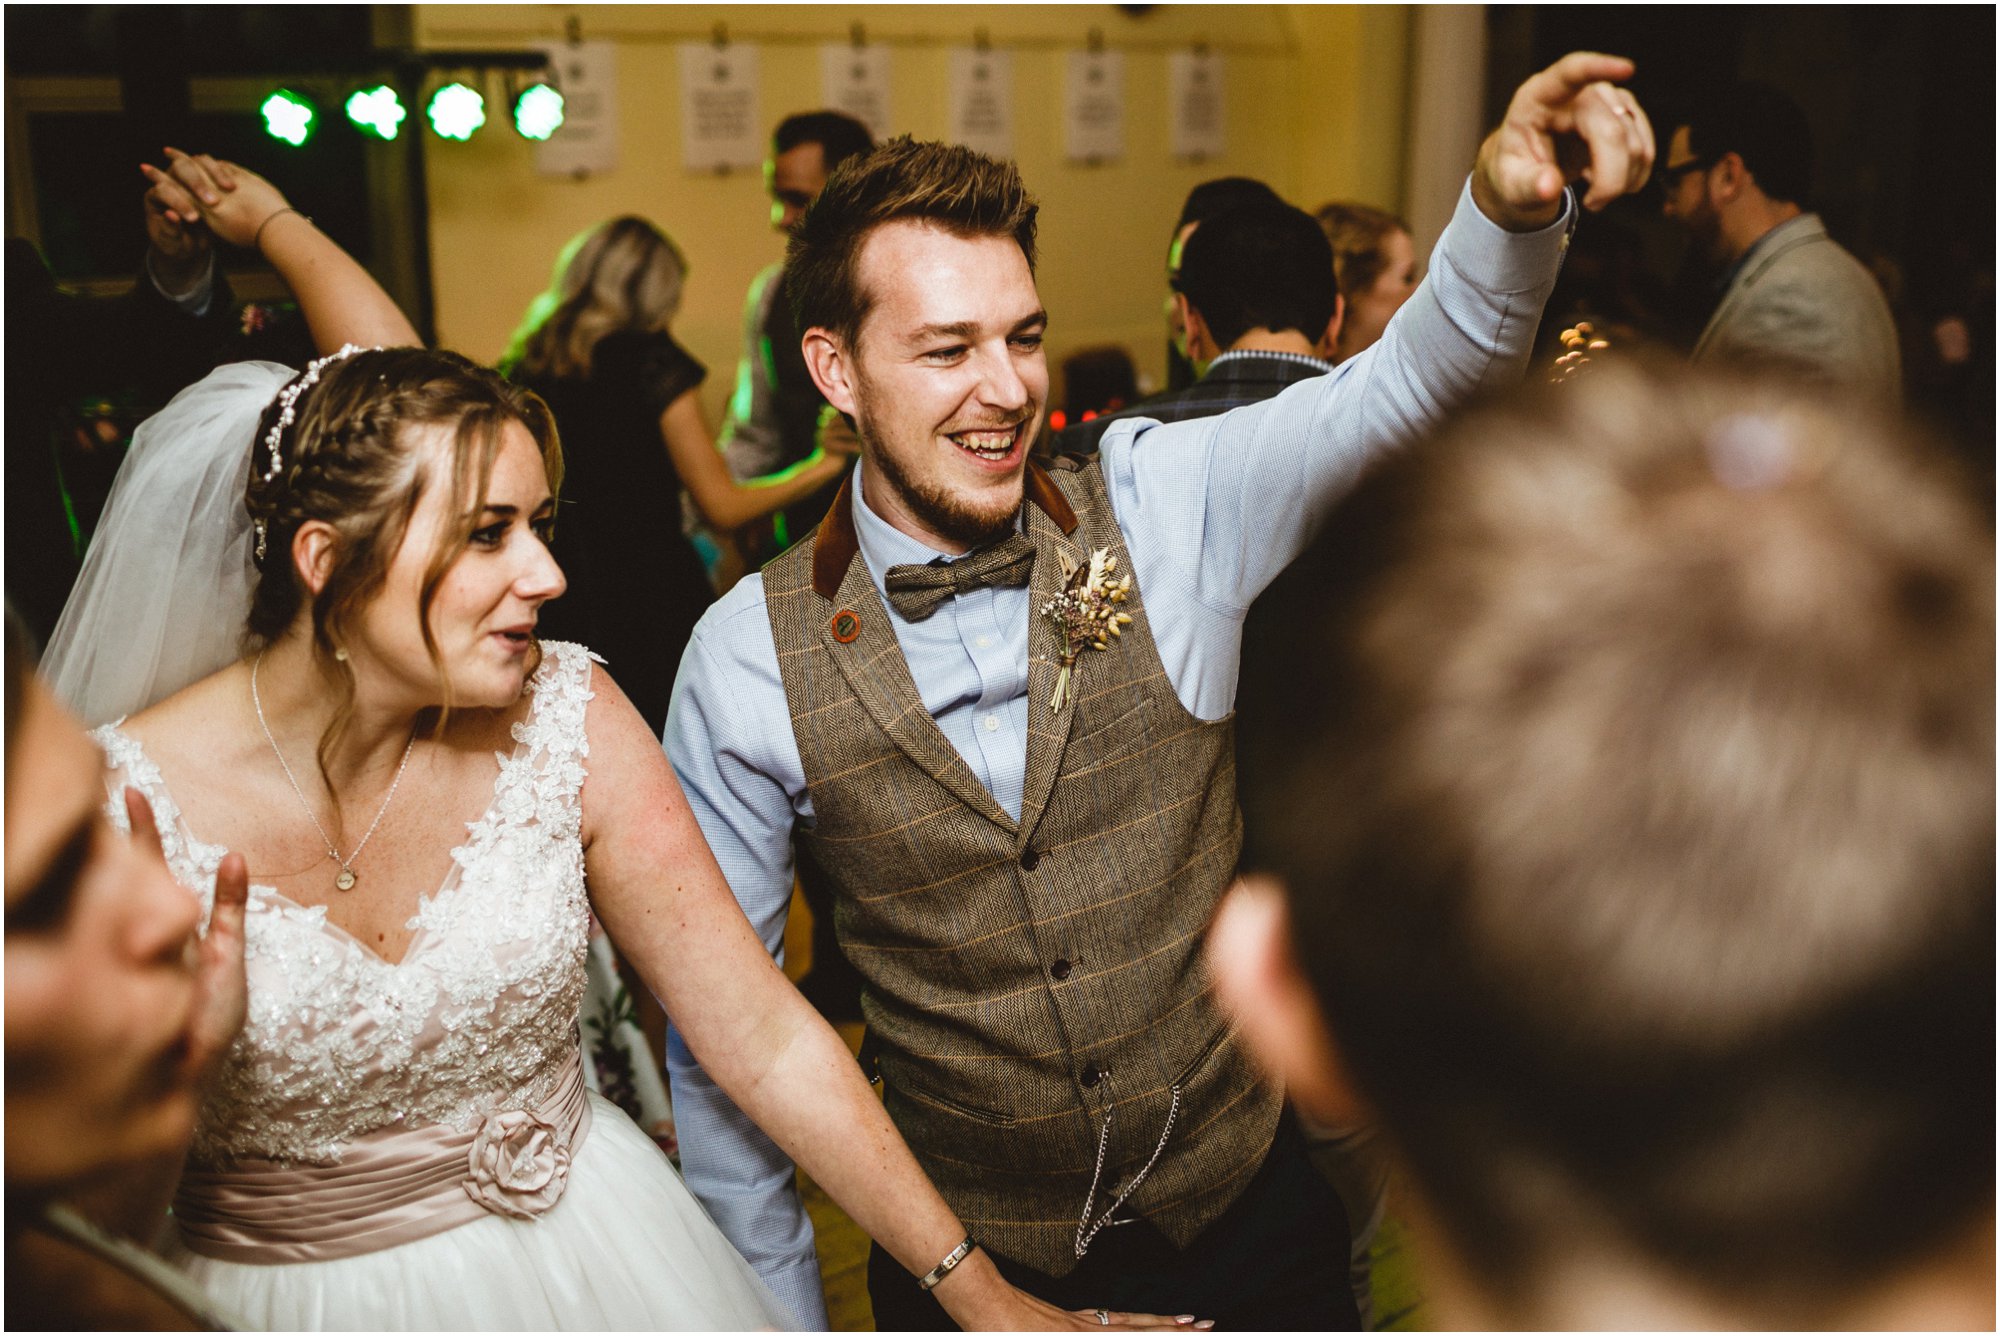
pixel 195 300
pixel 798 1288
pixel 1508 261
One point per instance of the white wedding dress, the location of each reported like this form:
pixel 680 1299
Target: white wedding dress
pixel 411 1146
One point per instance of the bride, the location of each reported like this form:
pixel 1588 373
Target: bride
pixel 431 802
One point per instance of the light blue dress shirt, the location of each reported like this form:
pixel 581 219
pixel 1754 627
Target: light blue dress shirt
pixel 1211 510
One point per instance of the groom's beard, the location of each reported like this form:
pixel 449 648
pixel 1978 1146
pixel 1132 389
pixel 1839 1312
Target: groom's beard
pixel 973 523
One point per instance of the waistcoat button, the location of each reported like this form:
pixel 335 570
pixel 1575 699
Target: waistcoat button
pixel 1092 1075
pixel 1030 860
pixel 1060 970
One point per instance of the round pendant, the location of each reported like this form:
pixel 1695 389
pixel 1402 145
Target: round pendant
pixel 345 881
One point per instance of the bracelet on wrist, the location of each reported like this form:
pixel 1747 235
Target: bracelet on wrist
pixel 945 1268
pixel 257 239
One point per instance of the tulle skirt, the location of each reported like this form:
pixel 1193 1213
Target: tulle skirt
pixel 627 1248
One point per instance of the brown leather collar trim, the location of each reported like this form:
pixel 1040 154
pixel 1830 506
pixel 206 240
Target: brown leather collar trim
pixel 1041 490
pixel 835 548
pixel 837 543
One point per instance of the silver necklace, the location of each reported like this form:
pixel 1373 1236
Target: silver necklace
pixel 345 881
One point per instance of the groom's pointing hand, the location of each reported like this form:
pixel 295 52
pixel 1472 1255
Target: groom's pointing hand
pixel 1569 122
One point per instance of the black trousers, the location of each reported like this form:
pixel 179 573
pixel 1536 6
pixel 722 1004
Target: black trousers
pixel 1276 1260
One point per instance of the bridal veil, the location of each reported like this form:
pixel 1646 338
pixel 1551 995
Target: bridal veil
pixel 165 588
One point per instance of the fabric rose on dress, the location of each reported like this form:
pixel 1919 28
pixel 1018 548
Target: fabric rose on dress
pixel 519 1165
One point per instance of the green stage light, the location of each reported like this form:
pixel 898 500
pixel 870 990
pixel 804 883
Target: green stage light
pixel 377 110
pixel 456 111
pixel 538 111
pixel 289 117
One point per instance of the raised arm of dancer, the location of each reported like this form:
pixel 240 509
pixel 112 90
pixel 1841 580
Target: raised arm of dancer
pixel 341 301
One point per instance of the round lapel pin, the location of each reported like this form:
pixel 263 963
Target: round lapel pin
pixel 846 626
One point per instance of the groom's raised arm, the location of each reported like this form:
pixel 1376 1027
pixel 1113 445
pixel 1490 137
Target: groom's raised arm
pixel 1219 506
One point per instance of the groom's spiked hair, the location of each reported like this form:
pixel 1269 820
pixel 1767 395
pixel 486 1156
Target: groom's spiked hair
pixel 948 186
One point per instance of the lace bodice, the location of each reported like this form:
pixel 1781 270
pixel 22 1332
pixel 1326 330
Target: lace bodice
pixel 480 1011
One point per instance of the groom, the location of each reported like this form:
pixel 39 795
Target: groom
pixel 1030 820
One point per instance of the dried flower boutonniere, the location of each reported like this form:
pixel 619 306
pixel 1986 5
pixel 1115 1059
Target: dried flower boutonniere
pixel 1086 612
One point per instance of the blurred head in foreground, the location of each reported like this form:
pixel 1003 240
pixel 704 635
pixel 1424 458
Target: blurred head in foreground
pixel 1634 817
pixel 99 987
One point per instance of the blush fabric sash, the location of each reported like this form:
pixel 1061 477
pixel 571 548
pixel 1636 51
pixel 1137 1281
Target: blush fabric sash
pixel 390 1187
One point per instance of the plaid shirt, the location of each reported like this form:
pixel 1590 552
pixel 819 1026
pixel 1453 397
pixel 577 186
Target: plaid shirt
pixel 1231 381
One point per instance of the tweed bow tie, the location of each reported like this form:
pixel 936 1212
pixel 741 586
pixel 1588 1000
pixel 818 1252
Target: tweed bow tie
pixel 918 591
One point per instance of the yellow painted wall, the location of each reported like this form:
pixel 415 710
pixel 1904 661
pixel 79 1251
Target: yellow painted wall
pixel 1349 114
pixel 1315 107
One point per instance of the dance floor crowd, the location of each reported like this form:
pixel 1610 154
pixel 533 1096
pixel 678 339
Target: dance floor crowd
pixel 1419 761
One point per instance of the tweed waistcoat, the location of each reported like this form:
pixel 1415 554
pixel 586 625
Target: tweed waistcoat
pixel 1035 989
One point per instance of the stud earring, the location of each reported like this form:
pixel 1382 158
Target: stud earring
pixel 340 656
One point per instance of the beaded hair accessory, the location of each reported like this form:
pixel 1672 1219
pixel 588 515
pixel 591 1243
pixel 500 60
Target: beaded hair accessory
pixel 288 399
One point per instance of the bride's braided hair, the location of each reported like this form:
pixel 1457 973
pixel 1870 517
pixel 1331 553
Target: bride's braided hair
pixel 351 459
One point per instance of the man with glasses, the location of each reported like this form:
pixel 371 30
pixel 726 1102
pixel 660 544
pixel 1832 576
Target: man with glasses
pixel 1737 176
pixel 774 412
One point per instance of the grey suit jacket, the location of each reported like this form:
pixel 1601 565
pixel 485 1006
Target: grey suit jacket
pixel 1804 304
